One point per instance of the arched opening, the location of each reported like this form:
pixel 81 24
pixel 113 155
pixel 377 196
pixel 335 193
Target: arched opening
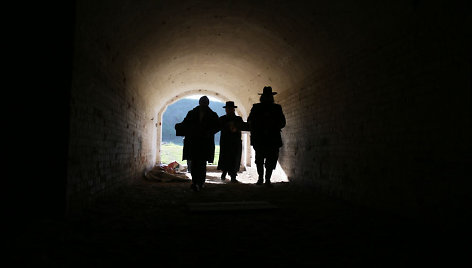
pixel 171 145
pixel 248 173
pixel 246 152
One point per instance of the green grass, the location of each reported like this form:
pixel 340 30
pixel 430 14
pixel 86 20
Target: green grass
pixel 171 152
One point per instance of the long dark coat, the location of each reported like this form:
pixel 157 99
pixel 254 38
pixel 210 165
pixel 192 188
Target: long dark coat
pixel 199 142
pixel 230 142
pixel 265 122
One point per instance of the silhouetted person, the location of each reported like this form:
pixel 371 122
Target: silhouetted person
pixel 266 120
pixel 230 142
pixel 200 125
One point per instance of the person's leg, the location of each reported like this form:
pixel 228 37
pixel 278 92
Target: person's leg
pixel 268 175
pixel 201 173
pixel 260 166
pixel 223 175
pixel 189 166
pixel 233 176
pixel 198 173
pixel 194 173
pixel 271 163
pixel 236 161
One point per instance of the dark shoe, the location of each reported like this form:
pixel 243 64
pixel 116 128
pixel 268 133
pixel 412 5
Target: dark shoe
pixel 194 187
pixel 268 183
pixel 260 181
pixel 234 180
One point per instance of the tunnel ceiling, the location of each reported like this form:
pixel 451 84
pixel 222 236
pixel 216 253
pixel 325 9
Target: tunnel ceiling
pixel 359 82
pixel 222 47
pixel 234 48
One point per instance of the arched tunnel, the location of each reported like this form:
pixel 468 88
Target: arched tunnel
pixel 362 87
pixel 376 94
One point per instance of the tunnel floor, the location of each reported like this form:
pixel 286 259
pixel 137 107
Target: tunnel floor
pixel 150 223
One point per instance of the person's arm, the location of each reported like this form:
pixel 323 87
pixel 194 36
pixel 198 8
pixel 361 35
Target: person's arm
pixel 215 124
pixel 241 125
pixel 187 118
pixel 182 127
pixel 282 121
pixel 250 120
pixel 221 123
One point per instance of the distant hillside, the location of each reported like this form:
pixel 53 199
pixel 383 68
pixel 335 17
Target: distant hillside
pixel 176 113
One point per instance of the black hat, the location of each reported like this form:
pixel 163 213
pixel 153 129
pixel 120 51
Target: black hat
pixel 267 91
pixel 230 104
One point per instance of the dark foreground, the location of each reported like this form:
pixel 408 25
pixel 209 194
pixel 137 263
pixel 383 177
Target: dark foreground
pixel 149 223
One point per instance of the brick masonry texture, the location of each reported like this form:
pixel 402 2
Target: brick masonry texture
pixel 111 131
pixel 386 126
pixel 377 95
pixel 108 145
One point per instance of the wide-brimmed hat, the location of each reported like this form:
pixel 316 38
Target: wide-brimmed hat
pixel 230 104
pixel 267 91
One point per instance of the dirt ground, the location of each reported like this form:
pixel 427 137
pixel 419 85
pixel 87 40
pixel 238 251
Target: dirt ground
pixel 149 223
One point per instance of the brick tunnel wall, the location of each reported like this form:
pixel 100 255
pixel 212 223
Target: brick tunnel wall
pixel 109 143
pixel 112 127
pixel 382 118
pixel 389 124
